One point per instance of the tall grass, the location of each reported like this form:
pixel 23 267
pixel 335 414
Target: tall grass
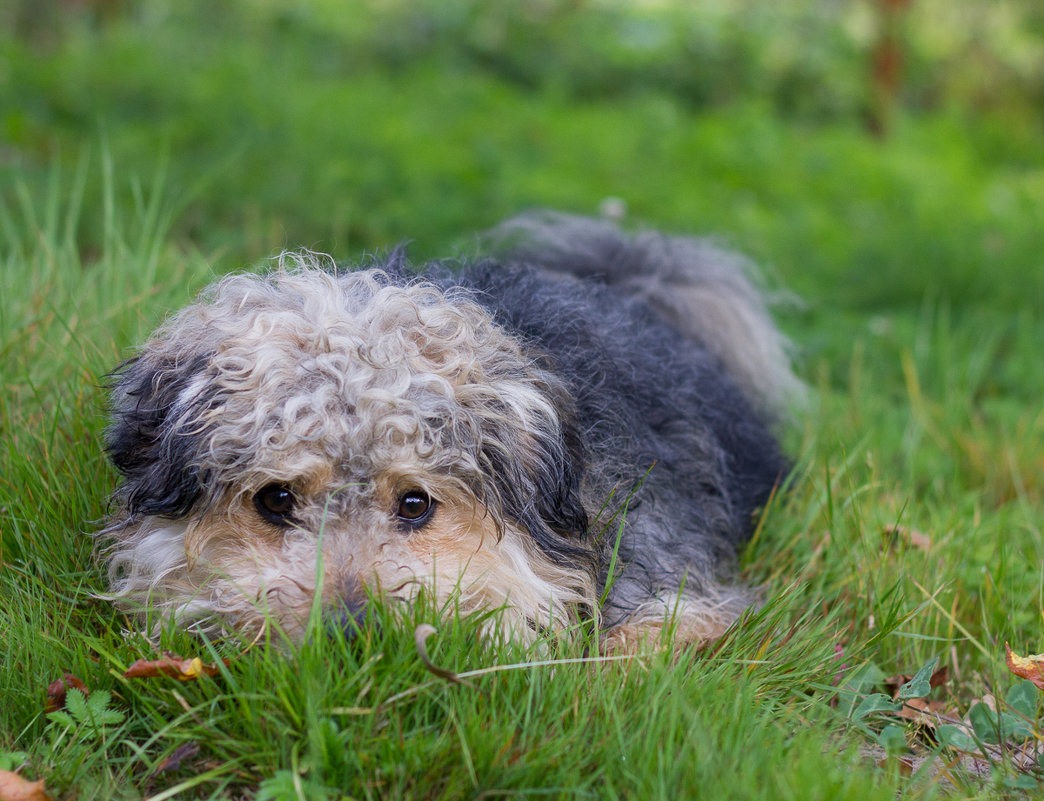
pixel 917 262
pixel 928 428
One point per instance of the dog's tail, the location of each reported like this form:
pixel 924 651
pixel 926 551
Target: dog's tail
pixel 707 293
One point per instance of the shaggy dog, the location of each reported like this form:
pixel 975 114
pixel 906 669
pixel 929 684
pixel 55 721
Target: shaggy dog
pixel 579 427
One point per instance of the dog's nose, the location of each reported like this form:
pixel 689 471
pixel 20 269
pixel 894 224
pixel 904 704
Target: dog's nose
pixel 349 622
pixel 352 613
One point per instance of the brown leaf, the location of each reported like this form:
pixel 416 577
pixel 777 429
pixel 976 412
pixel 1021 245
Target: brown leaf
pixel 14 788
pixel 924 713
pixel 59 687
pixel 1026 667
pixel 903 764
pixel 939 677
pixel 173 666
pixel 912 537
pixel 173 762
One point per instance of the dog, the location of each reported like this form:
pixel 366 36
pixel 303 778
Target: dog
pixel 581 426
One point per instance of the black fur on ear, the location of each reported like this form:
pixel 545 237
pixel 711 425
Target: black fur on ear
pixel 537 478
pixel 148 441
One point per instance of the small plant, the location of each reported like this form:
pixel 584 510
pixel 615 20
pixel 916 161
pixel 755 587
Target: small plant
pixel 87 716
pixel 998 737
pixel 1006 735
pixel 287 784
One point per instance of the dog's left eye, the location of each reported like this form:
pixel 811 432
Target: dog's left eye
pixel 415 507
pixel 275 503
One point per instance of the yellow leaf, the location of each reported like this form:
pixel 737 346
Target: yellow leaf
pixel 1026 667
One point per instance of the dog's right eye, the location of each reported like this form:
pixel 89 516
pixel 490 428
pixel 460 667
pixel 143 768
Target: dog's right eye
pixel 275 503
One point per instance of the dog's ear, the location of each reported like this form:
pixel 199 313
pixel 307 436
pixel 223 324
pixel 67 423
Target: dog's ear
pixel 537 469
pixel 152 440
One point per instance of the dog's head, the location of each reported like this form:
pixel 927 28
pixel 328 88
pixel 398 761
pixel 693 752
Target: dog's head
pixel 314 437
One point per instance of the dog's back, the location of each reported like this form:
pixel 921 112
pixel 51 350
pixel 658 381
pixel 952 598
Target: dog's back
pixel 703 291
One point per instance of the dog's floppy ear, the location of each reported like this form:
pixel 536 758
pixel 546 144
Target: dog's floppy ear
pixel 151 440
pixel 537 470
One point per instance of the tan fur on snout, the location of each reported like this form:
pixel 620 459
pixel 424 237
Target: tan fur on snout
pixel 230 566
pixel 481 568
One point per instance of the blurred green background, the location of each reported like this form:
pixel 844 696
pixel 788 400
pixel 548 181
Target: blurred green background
pixel 867 151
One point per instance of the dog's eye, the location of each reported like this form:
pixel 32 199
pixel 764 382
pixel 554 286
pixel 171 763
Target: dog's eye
pixel 275 503
pixel 415 507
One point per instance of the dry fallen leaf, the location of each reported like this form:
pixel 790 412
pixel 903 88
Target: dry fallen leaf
pixel 925 713
pixel 173 666
pixel 1026 667
pixel 904 764
pixel 173 762
pixel 913 537
pixel 59 687
pixel 14 788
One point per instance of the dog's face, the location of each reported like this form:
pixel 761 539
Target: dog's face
pixel 308 438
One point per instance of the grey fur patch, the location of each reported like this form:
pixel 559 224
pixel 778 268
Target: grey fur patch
pixel 708 293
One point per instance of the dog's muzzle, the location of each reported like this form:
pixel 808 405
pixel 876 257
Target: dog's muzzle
pixel 352 614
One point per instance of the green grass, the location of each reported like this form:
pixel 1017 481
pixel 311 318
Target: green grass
pixel 917 260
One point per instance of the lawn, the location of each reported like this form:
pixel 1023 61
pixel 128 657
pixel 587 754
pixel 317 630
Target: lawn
pixel 146 150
